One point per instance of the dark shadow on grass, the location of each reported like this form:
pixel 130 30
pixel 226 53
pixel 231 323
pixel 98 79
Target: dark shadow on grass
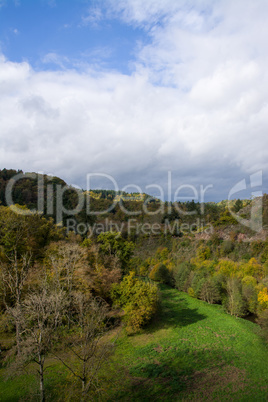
pixel 180 315
pixel 173 312
pixel 182 375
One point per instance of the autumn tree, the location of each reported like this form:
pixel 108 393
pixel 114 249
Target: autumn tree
pixel 249 293
pixel 181 276
pixel 21 238
pixel 102 270
pixel 235 303
pixel 113 244
pixel 89 351
pixel 161 274
pixel 263 322
pixel 40 316
pixel 210 291
pixel 138 299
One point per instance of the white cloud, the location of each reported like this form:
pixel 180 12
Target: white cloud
pixel 196 103
pixel 54 58
pixel 93 17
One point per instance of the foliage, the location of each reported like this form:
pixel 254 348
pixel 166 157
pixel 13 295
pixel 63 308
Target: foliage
pixel 139 300
pixel 161 274
pixel 191 292
pixel 203 252
pixel 234 302
pixel 249 292
pixel 263 298
pixel 252 268
pixel 112 243
pixel 263 322
pixel 227 247
pixel 209 291
pixel 181 276
pixel 238 205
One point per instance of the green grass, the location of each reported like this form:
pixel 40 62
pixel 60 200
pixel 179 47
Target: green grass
pixel 191 351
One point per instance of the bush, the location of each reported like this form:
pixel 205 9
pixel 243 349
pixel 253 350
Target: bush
pixel 210 291
pixel 249 293
pixel 138 299
pixel 181 275
pixel 161 274
pixel 234 303
pixel 203 252
pixel 191 292
pixel 263 322
pixel 227 247
pixel 197 282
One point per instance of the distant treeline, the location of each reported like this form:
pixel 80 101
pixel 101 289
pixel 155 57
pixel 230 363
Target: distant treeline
pixel 120 206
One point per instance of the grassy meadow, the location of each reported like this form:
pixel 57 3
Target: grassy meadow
pixel 191 351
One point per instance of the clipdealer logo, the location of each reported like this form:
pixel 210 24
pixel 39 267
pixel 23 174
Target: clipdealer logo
pixel 50 199
pixel 254 184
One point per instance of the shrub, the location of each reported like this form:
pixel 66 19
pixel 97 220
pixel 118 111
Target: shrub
pixel 215 239
pixel 203 253
pixel 191 292
pixel 161 274
pixel 263 322
pixel 249 293
pixel 138 299
pixel 181 275
pixel 263 298
pixel 227 247
pixel 210 292
pixel 197 282
pixel 234 303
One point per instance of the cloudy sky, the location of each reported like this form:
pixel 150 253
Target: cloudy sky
pixel 136 89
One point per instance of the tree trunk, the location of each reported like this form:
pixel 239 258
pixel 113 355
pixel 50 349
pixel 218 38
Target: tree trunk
pixel 18 338
pixel 41 378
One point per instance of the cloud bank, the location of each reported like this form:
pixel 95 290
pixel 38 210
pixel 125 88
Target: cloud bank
pixel 194 104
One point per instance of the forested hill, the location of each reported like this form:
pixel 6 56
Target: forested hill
pixel 64 290
pixel 25 192
pixel 26 188
pixel 119 208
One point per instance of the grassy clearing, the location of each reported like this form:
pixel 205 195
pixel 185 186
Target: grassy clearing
pixel 192 351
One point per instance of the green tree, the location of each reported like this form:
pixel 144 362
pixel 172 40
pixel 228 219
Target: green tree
pixel 238 205
pixel 263 322
pixel 138 299
pixel 161 274
pixel 210 291
pixel 181 275
pixel 249 293
pixel 235 303
pixel 113 244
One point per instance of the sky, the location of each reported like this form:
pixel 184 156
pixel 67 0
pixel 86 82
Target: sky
pixel 166 96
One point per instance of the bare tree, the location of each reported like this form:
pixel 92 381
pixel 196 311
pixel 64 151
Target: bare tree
pixel 87 346
pixel 39 317
pixel 14 276
pixel 63 260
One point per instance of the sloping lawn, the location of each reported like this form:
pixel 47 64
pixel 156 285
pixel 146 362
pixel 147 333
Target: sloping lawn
pixel 193 351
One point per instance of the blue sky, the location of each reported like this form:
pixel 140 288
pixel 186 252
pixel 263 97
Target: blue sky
pixel 33 29
pixel 135 90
